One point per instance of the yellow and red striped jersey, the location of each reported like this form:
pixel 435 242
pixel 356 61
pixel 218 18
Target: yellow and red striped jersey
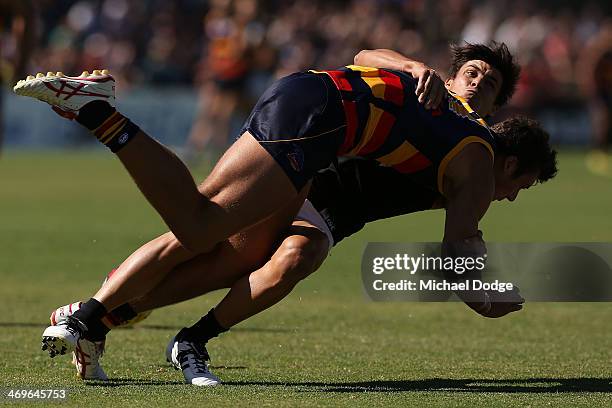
pixel 386 122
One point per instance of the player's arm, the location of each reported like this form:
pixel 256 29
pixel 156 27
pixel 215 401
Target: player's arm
pixel 469 186
pixel 430 88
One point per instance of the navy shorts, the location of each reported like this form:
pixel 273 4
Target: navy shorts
pixel 300 121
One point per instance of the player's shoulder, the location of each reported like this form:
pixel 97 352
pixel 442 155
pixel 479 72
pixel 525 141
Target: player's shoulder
pixel 474 163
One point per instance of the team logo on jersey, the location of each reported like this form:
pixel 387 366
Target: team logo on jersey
pixel 296 158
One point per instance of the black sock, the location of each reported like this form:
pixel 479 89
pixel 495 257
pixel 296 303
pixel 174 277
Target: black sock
pixel 110 127
pixel 206 328
pixel 94 114
pixel 90 314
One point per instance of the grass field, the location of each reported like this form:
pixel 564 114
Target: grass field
pixel 67 218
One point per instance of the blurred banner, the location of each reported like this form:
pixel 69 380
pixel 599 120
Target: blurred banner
pixel 545 272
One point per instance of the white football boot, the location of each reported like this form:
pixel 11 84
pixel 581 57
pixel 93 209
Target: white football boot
pixel 68 94
pixel 61 313
pixel 63 337
pixel 86 356
pixel 190 356
pixel 86 359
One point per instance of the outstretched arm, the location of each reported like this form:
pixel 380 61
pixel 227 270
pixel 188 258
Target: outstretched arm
pixel 470 187
pixel 430 88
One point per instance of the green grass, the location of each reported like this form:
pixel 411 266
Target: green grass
pixel 68 218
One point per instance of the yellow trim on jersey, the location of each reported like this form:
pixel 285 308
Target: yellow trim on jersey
pixel 377 85
pixel 368 132
pixel 455 150
pixel 365 71
pixel 371 76
pixel 468 108
pixel 399 155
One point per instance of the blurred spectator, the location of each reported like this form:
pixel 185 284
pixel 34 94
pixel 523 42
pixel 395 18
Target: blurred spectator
pixel 222 74
pixel 595 77
pixel 230 49
pixel 16 42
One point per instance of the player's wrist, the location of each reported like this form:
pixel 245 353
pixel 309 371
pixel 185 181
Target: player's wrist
pixel 472 247
pixel 483 307
pixel 413 68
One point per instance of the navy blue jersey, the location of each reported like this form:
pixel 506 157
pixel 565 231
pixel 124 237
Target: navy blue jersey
pixel 358 191
pixel 385 122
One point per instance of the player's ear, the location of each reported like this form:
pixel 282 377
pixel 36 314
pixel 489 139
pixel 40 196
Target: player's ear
pixel 448 83
pixel 510 165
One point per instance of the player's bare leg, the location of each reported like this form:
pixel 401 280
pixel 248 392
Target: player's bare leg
pixel 245 187
pixel 217 269
pixel 140 273
pixel 232 265
pixel 300 254
pixel 148 266
pixel 143 270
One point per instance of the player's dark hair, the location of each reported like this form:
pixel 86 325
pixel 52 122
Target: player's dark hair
pixel 495 54
pixel 530 143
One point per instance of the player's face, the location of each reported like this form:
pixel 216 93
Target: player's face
pixel 479 83
pixel 507 184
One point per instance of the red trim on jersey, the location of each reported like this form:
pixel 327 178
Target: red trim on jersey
pixel 383 128
pixel 350 111
pixel 339 78
pixel 394 89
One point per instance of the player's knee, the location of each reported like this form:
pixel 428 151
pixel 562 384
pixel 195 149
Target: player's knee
pixel 297 258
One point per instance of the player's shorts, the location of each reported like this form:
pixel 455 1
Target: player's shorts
pixel 300 121
pixel 309 214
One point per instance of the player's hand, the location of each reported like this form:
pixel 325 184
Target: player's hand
pixel 430 88
pixel 504 303
pixel 471 247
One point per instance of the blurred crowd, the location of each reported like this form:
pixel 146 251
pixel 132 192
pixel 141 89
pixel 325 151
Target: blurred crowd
pixel 231 49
